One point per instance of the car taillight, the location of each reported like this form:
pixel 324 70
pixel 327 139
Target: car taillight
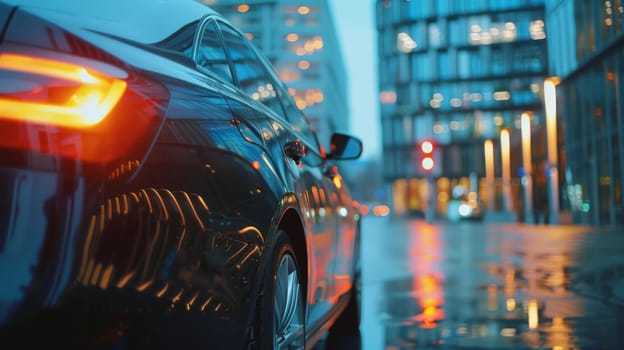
pixel 56 104
pixel 52 92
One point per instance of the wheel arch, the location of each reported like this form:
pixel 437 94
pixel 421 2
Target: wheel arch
pixel 292 225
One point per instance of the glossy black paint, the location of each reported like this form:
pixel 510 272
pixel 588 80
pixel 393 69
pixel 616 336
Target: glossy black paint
pixel 150 229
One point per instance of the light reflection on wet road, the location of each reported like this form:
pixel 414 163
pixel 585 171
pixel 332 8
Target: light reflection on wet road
pixel 499 286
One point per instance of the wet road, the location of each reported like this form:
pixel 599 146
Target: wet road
pixel 472 285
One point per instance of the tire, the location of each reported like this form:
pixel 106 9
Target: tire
pixel 281 317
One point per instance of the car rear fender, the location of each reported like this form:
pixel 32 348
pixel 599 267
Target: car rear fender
pixel 291 223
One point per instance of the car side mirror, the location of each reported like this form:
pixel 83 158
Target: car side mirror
pixel 344 147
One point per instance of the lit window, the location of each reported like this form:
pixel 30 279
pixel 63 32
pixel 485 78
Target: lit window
pixel 537 30
pixel 497 32
pixel 498 120
pixel 502 95
pixel 387 97
pixel 301 104
pixel 288 76
pixel 318 96
pixel 303 10
pixel 317 42
pixel 312 97
pixel 242 8
pixel 303 65
pixel 434 103
pixel 405 43
pixel 435 35
pixel 534 87
pixel 292 37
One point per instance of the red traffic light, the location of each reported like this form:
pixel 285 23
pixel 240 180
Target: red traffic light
pixel 426 147
pixel 426 156
pixel 427 163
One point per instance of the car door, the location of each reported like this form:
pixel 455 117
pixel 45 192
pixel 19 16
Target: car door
pixel 300 155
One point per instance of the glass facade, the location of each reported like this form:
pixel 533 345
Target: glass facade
pixel 587 39
pixel 300 40
pixel 458 73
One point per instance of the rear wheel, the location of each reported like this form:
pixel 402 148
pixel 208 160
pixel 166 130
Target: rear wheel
pixel 281 320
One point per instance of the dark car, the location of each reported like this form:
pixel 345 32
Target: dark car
pixel 160 189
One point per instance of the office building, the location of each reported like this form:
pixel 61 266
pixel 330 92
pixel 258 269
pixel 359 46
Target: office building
pixel 586 50
pixel 461 74
pixel 300 39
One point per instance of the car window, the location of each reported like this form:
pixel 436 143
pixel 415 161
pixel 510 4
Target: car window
pixel 211 54
pixel 250 72
pixel 297 118
pixel 255 80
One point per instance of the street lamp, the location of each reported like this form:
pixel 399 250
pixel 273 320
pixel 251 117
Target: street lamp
pixel 505 169
pixel 550 102
pixel 488 150
pixel 527 178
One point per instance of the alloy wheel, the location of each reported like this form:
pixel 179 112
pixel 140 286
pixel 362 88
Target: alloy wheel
pixel 288 322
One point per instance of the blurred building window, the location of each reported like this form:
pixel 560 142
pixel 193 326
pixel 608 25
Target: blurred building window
pixel 436 35
pixel 404 70
pixel 405 43
pixel 444 65
pixel 388 137
pixel 499 62
pixel 425 94
pixel 463 63
pixel 386 43
pixel 458 31
pixel 442 8
pixel 536 30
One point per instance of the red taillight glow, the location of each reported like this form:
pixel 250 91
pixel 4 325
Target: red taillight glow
pixel 93 94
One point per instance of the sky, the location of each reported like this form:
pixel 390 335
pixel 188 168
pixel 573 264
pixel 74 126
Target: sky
pixel 356 34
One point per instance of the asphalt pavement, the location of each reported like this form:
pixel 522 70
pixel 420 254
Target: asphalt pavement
pixel 484 285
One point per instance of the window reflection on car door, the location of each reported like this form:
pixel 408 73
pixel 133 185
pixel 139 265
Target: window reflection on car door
pixel 256 78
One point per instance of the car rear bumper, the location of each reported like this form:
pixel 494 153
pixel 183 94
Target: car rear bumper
pixel 84 270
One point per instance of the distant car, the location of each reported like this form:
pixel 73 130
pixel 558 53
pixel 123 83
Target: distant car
pixel 466 207
pixel 376 209
pixel 160 189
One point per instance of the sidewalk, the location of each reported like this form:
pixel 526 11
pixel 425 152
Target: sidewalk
pixel 603 279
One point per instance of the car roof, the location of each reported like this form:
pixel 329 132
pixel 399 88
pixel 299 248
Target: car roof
pixel 144 21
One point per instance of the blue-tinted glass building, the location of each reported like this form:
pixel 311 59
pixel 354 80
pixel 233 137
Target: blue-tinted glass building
pixel 461 74
pixel 586 51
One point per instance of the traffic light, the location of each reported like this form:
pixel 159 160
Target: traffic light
pixel 427 161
